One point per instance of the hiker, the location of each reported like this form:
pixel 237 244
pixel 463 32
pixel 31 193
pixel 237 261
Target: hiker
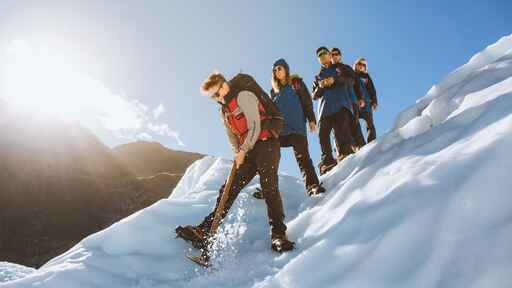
pixel 292 97
pixel 335 110
pixel 355 92
pixel 252 125
pixel 370 95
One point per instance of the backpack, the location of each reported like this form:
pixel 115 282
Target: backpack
pixel 275 121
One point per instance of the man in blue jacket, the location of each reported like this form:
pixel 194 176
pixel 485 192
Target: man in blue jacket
pixel 335 109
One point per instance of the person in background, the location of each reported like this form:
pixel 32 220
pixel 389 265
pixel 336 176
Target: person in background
pixel 335 110
pixel 292 97
pixel 370 95
pixel 355 92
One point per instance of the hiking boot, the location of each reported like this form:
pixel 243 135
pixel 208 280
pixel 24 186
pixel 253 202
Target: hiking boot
pixel 324 168
pixel 282 244
pixel 258 194
pixel 315 189
pixel 191 234
pixel 341 158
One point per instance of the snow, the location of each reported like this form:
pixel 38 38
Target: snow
pixel 11 271
pixel 426 205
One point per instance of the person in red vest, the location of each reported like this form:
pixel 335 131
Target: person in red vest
pixel 253 125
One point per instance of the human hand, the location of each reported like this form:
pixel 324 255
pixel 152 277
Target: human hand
pixel 239 158
pixel 330 81
pixel 312 126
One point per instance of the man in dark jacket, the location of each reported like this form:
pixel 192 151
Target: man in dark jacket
pixel 335 110
pixel 356 93
pixel 256 150
pixel 292 98
pixel 370 95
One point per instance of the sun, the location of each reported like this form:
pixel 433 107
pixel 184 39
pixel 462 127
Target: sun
pixel 50 80
pixel 45 81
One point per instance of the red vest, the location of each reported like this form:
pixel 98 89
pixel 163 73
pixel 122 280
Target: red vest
pixel 238 123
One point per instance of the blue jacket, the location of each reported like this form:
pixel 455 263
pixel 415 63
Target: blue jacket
pixel 290 104
pixel 334 98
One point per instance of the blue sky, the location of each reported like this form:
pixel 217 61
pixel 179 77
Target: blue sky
pixel 158 52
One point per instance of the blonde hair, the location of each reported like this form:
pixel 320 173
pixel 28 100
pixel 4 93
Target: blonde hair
pixel 213 79
pixel 360 60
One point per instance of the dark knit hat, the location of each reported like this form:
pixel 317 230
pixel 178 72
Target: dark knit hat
pixel 281 62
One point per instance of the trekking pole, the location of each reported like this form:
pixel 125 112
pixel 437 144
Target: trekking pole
pixel 204 258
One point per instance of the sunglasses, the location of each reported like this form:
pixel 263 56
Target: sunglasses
pixel 361 64
pixel 278 68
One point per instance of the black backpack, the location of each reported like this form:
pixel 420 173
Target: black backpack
pixel 275 122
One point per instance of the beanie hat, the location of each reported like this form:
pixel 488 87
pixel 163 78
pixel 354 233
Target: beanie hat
pixel 281 62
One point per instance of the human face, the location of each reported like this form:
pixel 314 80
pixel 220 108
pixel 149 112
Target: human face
pixel 336 57
pixel 218 92
pixel 325 59
pixel 280 73
pixel 361 67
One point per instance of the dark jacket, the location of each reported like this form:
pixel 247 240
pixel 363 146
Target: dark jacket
pixel 366 96
pixel 294 102
pixel 334 98
pixel 368 84
pixel 349 76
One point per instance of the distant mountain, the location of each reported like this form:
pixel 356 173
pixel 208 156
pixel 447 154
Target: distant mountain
pixel 156 166
pixel 146 159
pixel 59 183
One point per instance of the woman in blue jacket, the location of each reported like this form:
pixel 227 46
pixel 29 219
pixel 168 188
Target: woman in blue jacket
pixel 294 101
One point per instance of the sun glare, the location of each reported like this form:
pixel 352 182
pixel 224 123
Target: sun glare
pixel 42 80
pixel 49 82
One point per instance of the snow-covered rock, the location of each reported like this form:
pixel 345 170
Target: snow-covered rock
pixel 429 204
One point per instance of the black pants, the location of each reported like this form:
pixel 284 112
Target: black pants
pixel 341 123
pixel 357 134
pixel 370 128
pixel 263 159
pixel 299 143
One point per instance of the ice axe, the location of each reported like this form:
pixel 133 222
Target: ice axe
pixel 204 258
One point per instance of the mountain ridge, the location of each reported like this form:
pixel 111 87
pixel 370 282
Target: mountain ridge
pixel 59 183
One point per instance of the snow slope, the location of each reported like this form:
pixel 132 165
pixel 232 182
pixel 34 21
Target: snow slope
pixel 428 204
pixel 11 271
